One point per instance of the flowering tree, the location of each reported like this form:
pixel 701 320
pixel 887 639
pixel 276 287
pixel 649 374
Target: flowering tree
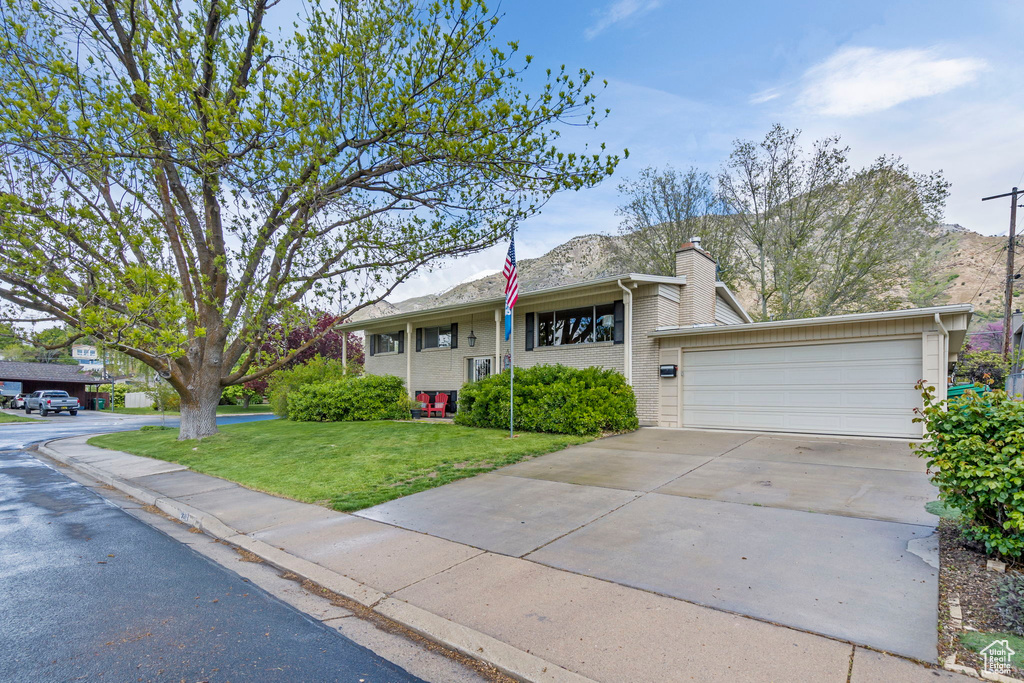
pixel 301 344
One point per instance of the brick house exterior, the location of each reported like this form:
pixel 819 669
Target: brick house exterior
pixel 638 304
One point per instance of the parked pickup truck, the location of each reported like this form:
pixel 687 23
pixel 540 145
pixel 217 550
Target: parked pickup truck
pixel 49 400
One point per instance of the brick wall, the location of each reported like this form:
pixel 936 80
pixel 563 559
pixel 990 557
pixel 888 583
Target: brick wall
pixel 447 369
pixel 697 304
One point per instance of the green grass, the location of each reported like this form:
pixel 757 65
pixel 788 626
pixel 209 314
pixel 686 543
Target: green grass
pixel 221 410
pixel 7 417
pixel 344 465
pixel 979 640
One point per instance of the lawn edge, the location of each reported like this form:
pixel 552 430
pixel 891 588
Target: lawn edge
pixel 512 661
pixel 582 438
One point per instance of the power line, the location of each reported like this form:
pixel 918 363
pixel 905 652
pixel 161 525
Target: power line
pixel 999 251
pixel 1010 253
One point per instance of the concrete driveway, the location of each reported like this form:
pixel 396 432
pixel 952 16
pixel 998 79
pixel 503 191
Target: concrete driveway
pixel 827 535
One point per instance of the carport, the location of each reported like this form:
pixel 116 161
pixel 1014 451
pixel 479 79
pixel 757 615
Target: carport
pixel 841 375
pixel 29 377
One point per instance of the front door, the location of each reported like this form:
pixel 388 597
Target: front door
pixel 480 368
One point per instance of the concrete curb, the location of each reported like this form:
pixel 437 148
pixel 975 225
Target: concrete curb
pixel 506 658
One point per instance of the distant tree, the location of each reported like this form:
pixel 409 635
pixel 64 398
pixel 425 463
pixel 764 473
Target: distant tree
pixel 177 175
pixel 926 284
pixel 988 337
pixel 980 365
pixel 302 343
pixel 663 209
pixel 820 237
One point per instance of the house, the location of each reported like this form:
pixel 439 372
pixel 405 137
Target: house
pixel 691 352
pixel 86 355
pixel 37 376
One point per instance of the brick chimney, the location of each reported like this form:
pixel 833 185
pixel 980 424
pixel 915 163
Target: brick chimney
pixel 697 302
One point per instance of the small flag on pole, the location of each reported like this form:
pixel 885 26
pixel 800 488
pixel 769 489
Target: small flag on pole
pixel 511 285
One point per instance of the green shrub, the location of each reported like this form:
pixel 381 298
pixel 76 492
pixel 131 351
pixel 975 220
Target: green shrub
pixel 1010 602
pixel 373 397
pixel 164 397
pixel 551 398
pixel 283 382
pixel 119 391
pixel 986 367
pixel 974 445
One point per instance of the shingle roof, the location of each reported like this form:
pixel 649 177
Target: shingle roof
pixel 44 372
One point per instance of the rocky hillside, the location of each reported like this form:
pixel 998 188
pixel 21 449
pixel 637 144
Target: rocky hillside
pixel 976 260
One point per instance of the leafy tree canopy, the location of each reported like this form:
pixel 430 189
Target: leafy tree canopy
pixel 177 175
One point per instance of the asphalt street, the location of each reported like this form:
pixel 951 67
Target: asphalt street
pixel 88 592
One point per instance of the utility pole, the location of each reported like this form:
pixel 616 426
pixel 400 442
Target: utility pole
pixel 1008 296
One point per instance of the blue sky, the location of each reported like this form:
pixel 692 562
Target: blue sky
pixel 937 83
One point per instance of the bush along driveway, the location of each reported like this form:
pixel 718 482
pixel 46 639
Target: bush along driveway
pixel 343 465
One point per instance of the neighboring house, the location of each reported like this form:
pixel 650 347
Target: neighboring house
pixel 86 355
pixel 36 376
pixel 690 351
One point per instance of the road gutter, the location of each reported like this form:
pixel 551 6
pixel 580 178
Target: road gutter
pixel 506 658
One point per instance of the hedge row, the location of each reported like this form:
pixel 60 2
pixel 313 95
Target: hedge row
pixel 974 445
pixel 551 398
pixel 371 397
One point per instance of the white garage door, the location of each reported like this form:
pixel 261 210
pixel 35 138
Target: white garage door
pixel 862 388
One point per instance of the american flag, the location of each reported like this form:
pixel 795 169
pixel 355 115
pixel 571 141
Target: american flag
pixel 511 276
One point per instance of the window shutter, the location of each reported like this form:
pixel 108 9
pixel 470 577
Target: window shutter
pixel 373 344
pixel 419 338
pixel 619 335
pixel 401 341
pixel 455 335
pixel 529 331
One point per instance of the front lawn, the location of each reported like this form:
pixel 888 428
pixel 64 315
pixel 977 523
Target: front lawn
pixel 221 410
pixel 344 465
pixel 7 417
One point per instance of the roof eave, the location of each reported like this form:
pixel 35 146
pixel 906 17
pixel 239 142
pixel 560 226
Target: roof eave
pixel 727 294
pixel 638 278
pixel 824 320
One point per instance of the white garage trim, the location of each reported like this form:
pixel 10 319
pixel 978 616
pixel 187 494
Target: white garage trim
pixel 863 387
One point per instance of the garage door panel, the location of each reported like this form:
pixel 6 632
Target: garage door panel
pixel 843 388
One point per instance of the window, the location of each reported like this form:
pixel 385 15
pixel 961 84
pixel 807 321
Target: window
pixel 388 343
pixel 576 325
pixel 437 337
pixel 479 368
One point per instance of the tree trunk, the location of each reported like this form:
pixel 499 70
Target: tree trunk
pixel 199 405
pixel 245 401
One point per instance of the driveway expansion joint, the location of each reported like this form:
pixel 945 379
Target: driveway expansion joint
pixel 515 660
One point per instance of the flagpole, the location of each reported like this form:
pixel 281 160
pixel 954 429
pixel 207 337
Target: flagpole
pixel 512 375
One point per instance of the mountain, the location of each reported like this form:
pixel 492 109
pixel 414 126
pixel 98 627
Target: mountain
pixel 972 263
pixel 586 257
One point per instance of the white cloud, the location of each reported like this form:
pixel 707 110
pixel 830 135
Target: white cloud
pixel 766 95
pixel 619 11
pixel 863 80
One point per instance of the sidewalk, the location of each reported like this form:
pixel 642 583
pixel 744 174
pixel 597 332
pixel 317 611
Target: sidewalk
pixel 529 620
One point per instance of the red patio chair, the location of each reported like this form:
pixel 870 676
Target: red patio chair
pixel 423 399
pixel 439 404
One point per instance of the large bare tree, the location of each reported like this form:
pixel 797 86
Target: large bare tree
pixel 819 236
pixel 664 208
pixel 179 175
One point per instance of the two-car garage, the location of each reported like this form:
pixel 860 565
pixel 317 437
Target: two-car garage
pixel 850 375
